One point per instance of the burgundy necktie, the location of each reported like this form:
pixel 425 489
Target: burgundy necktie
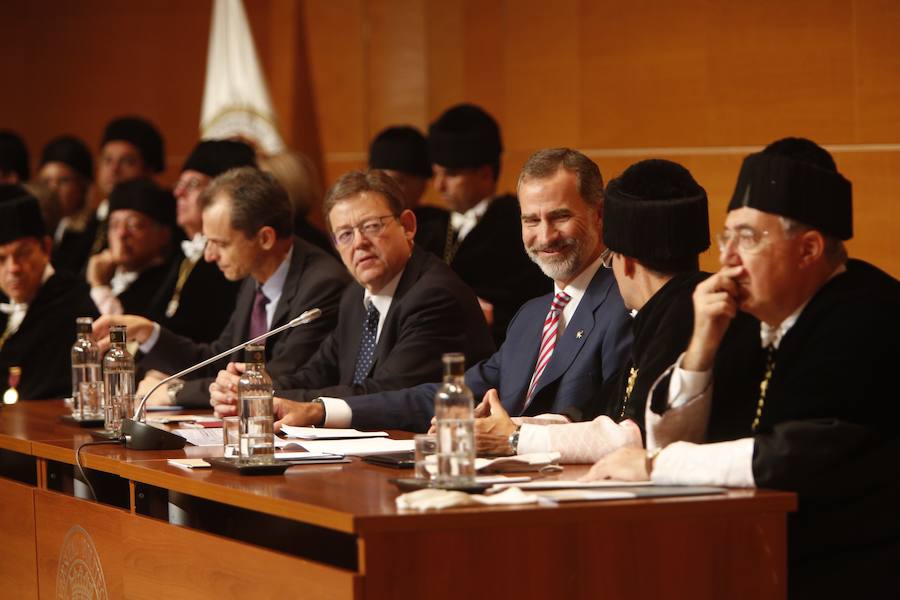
pixel 258 322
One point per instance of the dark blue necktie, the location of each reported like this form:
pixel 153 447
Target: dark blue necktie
pixel 366 356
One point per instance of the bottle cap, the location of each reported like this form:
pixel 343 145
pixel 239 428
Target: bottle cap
pixel 84 324
pixel 255 353
pixel 117 334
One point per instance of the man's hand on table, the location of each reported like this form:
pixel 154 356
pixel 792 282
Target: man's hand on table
pixel 160 397
pixel 223 392
pixel 298 414
pixel 493 426
pixel 625 464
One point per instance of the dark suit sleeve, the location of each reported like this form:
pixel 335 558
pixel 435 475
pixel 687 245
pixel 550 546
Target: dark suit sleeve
pixel 410 409
pixel 317 372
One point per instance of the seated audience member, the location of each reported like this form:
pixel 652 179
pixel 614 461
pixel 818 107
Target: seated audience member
pixel 132 148
pixel 655 225
pixel 402 152
pixel 14 167
pixel 787 376
pixel 197 297
pixel 560 347
pixel 67 168
pixel 127 276
pixel 481 237
pixel 247 224
pixel 405 310
pixel 37 318
pixel 299 177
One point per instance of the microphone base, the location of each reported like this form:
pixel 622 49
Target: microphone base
pixel 140 436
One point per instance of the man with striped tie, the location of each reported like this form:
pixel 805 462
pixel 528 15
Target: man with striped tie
pixel 559 347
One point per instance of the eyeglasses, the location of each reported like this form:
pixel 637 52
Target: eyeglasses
pixel 188 185
pixel 369 228
pixel 606 258
pixel 747 239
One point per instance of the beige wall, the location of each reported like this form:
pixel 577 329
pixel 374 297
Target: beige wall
pixel 696 81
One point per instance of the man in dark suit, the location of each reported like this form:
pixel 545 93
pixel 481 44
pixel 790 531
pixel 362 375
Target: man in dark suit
pixel 552 359
pixel 39 308
pixel 479 238
pixel 247 221
pixel 406 309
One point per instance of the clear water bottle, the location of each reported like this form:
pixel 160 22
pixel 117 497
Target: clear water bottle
pixel 453 409
pixel 118 381
pixel 87 384
pixel 257 416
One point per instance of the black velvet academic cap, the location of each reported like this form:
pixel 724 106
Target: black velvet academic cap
pixel 140 133
pixel 20 215
pixel 214 157
pixel 655 211
pixel 143 195
pixel 70 151
pixel 400 148
pixel 464 136
pixel 796 178
pixel 14 155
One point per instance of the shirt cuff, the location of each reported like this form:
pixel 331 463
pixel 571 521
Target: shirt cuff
pixel 148 344
pixel 728 464
pixel 685 385
pixel 105 301
pixel 533 438
pixel 338 413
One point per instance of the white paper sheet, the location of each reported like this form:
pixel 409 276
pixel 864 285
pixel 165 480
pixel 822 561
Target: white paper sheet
pixel 354 447
pixel 326 433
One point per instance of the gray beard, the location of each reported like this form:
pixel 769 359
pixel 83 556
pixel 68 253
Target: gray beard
pixel 559 268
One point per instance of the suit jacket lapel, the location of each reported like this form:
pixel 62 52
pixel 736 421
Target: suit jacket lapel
pixel 291 283
pixel 584 320
pixel 410 276
pixel 350 329
pixel 243 304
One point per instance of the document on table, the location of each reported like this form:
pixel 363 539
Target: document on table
pixel 211 436
pixel 572 484
pixel 352 447
pixel 326 433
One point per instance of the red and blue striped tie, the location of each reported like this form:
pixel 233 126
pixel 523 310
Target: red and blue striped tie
pixel 548 341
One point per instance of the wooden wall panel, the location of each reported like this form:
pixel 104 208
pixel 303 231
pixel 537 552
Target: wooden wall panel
pixel 645 74
pixel 397 65
pixel 335 30
pixel 542 74
pixel 877 83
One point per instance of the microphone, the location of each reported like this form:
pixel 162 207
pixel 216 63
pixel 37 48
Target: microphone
pixel 140 436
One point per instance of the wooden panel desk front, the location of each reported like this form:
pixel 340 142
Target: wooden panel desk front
pixel 692 547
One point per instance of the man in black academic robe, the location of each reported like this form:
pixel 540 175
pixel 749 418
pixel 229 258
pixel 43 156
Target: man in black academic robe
pixel 793 392
pixel 131 276
pixel 40 305
pixel 481 238
pixel 197 298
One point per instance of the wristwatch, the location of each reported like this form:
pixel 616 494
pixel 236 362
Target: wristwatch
pixel 324 411
pixel 514 441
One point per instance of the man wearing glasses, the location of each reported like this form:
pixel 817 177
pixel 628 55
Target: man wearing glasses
pixel 787 377
pixel 407 309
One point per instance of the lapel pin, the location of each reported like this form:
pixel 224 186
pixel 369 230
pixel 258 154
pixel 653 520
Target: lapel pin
pixel 579 334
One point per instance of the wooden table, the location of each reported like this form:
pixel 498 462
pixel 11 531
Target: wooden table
pixel 718 546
